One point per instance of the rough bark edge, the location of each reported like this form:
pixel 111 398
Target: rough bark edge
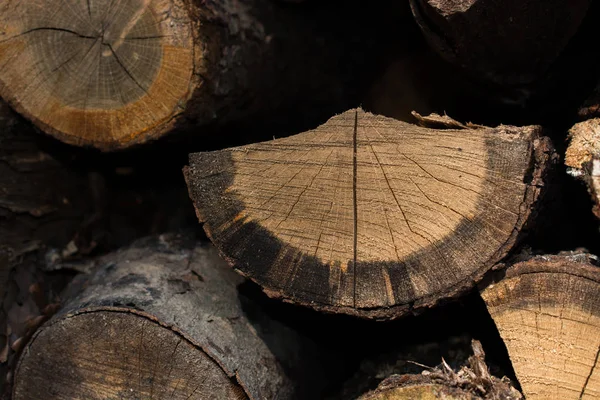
pixel 232 375
pixel 542 155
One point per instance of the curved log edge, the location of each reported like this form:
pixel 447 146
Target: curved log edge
pixel 359 215
pixel 499 42
pixel 547 310
pixel 469 383
pixel 185 294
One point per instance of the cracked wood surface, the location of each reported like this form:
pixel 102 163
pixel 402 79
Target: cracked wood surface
pixel 99 72
pixel 368 215
pixel 163 319
pixel 547 310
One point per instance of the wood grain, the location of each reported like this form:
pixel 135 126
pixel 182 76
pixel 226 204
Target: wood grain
pixel 164 319
pixel 96 72
pixel 365 214
pixel 547 312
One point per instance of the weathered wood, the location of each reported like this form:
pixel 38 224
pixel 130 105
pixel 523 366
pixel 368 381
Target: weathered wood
pixel 164 319
pixel 583 157
pixel 114 73
pixel 547 310
pixel 510 43
pixel 471 382
pixel 368 215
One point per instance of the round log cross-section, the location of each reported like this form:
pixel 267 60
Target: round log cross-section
pixel 368 215
pixel 96 71
pixel 163 319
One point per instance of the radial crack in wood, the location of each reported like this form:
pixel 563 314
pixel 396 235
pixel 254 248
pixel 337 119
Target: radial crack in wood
pixel 368 215
pixel 547 310
pixel 164 319
pixel 499 41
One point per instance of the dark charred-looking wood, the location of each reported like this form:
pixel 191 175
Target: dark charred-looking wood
pixel 509 43
pixel 114 73
pixel 583 158
pixel 471 382
pixel 42 205
pixel 367 215
pixel 164 319
pixel 547 310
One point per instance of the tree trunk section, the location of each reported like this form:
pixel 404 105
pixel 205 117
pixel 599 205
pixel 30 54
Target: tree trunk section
pixel 547 310
pixel 164 319
pixel 367 215
pixel 114 73
pixel 508 43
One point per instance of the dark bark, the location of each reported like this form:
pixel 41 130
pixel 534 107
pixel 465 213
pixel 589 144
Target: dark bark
pixel 211 337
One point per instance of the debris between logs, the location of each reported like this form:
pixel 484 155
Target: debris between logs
pixel 163 319
pixel 500 41
pixel 114 73
pixel 547 310
pixel 368 215
pixel 42 204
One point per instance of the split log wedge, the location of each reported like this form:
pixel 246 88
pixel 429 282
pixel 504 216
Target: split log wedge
pixel 112 73
pixel 583 157
pixel 499 41
pixel 163 319
pixel 367 215
pixel 547 310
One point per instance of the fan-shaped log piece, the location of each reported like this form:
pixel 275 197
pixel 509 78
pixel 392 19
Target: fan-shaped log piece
pixel 583 157
pixel 499 41
pixel 547 310
pixel 368 215
pixel 163 319
pixel 112 73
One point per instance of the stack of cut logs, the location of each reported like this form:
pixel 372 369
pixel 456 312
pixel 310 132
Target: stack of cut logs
pixel 323 169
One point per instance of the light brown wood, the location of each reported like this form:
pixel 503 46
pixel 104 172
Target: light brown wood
pixel 164 319
pixel 96 72
pixel 547 312
pixel 367 214
pixel 583 157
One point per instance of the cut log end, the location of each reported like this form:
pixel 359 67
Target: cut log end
pixel 368 215
pixel 547 312
pixel 102 73
pixel 118 354
pixel 410 387
pixel 164 319
pixel 583 157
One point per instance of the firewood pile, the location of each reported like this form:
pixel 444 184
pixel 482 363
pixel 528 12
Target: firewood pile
pixel 278 199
